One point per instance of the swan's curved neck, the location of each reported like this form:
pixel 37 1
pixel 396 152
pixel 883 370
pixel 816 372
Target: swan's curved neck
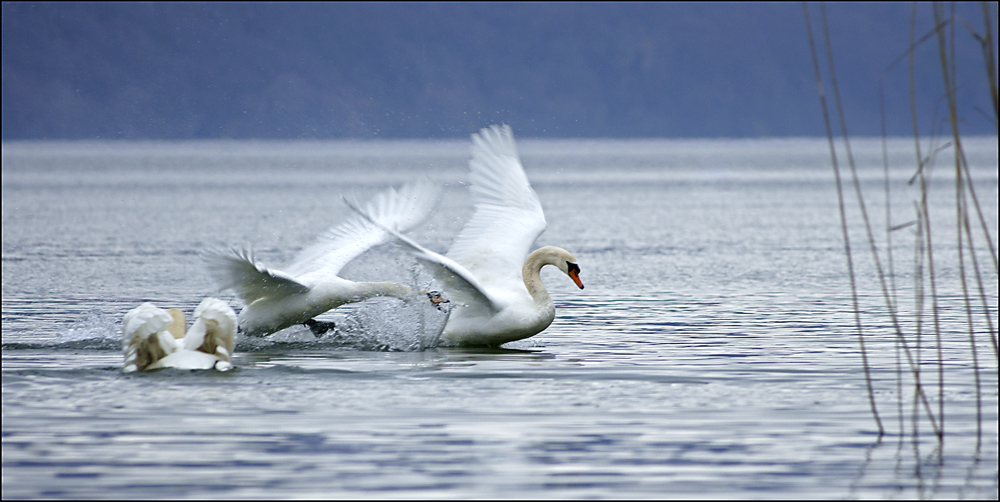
pixel 531 273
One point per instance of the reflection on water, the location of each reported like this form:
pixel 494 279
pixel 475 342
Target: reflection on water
pixel 712 353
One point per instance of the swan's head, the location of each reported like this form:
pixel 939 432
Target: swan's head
pixel 573 271
pixel 564 261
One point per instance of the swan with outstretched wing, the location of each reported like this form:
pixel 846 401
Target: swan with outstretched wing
pixel 494 284
pixel 276 299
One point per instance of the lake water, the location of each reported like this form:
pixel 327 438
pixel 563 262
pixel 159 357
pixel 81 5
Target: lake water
pixel 713 353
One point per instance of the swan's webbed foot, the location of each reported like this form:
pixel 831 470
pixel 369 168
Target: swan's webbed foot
pixel 437 300
pixel 319 328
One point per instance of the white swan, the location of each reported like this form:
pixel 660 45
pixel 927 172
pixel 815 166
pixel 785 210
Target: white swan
pixel 309 286
pixel 155 338
pixel 492 303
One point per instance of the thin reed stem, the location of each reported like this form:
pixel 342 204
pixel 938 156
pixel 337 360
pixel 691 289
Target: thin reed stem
pixel 919 292
pixel 868 230
pixel 960 202
pixel 888 197
pixel 975 262
pixel 923 211
pixel 843 220
pixel 991 66
pixel 971 226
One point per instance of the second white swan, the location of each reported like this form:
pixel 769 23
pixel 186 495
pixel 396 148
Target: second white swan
pixel 309 286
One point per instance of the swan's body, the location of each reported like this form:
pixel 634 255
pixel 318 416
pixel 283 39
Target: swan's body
pixel 491 302
pixel 309 286
pixel 155 338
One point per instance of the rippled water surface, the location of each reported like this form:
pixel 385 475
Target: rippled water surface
pixel 712 354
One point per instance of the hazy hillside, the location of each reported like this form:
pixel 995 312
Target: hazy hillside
pixel 288 70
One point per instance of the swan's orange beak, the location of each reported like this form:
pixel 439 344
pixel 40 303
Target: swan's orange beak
pixel 574 273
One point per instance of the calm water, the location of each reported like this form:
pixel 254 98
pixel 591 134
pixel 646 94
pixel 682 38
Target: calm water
pixel 712 354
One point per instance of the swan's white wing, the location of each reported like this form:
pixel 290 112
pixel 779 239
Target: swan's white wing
pixel 143 321
pixel 508 216
pixel 214 329
pixel 237 269
pixel 251 280
pixel 146 337
pixel 399 210
pixel 460 285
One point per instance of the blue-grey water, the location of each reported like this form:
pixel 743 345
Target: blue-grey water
pixel 713 353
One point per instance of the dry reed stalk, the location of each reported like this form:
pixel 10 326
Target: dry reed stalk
pixel 967 207
pixel 843 220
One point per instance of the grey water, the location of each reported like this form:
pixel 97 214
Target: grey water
pixel 713 353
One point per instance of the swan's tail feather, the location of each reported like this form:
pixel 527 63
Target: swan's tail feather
pixel 146 337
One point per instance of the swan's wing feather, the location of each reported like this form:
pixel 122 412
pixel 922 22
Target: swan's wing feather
pixel 145 336
pixel 214 329
pixel 238 270
pixel 459 284
pixel 399 210
pixel 145 320
pixel 508 216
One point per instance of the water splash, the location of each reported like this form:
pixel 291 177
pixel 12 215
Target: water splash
pixel 98 331
pixel 379 324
